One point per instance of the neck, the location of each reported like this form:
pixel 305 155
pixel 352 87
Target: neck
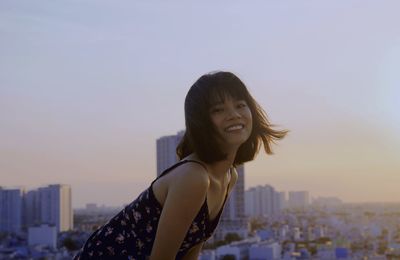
pixel 218 169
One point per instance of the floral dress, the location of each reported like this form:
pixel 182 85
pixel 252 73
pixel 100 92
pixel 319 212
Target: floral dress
pixel 131 233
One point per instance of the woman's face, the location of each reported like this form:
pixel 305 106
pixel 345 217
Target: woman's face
pixel 232 120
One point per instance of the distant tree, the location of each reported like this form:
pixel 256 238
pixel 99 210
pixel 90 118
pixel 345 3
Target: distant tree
pixel 220 243
pixel 367 245
pixel 215 244
pixel 354 247
pixel 70 244
pixel 369 214
pixel 95 227
pixel 322 240
pixel 313 250
pixel 256 224
pixel 230 237
pixel 382 247
pixel 3 235
pixel 228 257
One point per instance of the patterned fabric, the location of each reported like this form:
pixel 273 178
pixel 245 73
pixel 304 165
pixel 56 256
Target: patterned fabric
pixel 131 233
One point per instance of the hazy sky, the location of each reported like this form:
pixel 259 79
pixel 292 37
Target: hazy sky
pixel 86 88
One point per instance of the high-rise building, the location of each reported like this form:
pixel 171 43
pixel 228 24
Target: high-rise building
pixel 49 205
pixel 56 206
pixel 233 218
pixel 32 209
pixel 234 207
pixel 166 151
pixel 282 199
pixel 11 204
pixel 263 201
pixel 298 199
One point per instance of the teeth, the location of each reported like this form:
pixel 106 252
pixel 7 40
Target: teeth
pixel 234 127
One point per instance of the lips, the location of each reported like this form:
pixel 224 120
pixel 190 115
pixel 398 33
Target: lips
pixel 235 127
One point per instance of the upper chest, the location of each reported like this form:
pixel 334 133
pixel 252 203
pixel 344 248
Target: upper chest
pixel 216 193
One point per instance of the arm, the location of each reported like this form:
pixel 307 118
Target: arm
pixel 184 198
pixel 194 252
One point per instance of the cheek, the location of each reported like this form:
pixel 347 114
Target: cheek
pixel 250 120
pixel 216 120
pixel 214 125
pixel 249 115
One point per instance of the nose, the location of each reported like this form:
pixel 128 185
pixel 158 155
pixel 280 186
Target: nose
pixel 233 114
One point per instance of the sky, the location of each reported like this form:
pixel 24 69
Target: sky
pixel 86 88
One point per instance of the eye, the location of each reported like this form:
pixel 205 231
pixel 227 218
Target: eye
pixel 217 110
pixel 241 104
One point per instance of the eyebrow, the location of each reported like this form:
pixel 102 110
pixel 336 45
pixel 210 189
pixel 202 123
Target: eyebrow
pixel 222 102
pixel 216 103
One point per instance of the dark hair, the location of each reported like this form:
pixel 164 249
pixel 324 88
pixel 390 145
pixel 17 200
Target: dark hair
pixel 200 133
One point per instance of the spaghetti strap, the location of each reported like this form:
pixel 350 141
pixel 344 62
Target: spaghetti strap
pixel 176 165
pixel 202 164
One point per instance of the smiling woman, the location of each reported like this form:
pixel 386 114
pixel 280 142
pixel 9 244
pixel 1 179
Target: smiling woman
pixel 180 210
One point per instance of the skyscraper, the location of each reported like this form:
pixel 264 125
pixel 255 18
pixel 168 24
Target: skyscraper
pixel 47 205
pixel 166 151
pixel 282 199
pixel 11 203
pixel 55 206
pixel 298 199
pixel 234 207
pixel 32 209
pixel 233 218
pixel 263 201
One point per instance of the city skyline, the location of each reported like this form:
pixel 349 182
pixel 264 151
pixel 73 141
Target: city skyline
pixel 25 192
pixel 21 209
pixel 86 89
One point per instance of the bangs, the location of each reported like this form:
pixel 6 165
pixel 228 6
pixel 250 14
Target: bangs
pixel 226 88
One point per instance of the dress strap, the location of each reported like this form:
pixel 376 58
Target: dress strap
pixel 178 164
pixel 195 161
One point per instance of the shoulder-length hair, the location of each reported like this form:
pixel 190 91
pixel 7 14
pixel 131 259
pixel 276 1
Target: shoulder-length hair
pixel 200 134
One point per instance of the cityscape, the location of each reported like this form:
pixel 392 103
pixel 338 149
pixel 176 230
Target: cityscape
pixel 258 223
pixel 90 92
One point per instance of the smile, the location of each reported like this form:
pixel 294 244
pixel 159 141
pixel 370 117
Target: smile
pixel 234 128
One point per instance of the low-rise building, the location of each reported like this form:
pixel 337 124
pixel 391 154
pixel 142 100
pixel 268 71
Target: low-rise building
pixel 43 235
pixel 265 251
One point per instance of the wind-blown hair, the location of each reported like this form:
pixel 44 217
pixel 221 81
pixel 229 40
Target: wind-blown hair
pixel 200 134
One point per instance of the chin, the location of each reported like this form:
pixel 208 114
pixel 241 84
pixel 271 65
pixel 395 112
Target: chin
pixel 238 142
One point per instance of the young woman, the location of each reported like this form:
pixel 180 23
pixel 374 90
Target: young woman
pixel 180 210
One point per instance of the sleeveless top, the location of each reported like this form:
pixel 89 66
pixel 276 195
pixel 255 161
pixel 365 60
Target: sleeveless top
pixel 131 233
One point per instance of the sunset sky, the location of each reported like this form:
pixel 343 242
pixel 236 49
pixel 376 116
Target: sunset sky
pixel 86 88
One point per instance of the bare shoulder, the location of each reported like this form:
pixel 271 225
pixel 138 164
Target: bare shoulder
pixel 182 179
pixel 191 176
